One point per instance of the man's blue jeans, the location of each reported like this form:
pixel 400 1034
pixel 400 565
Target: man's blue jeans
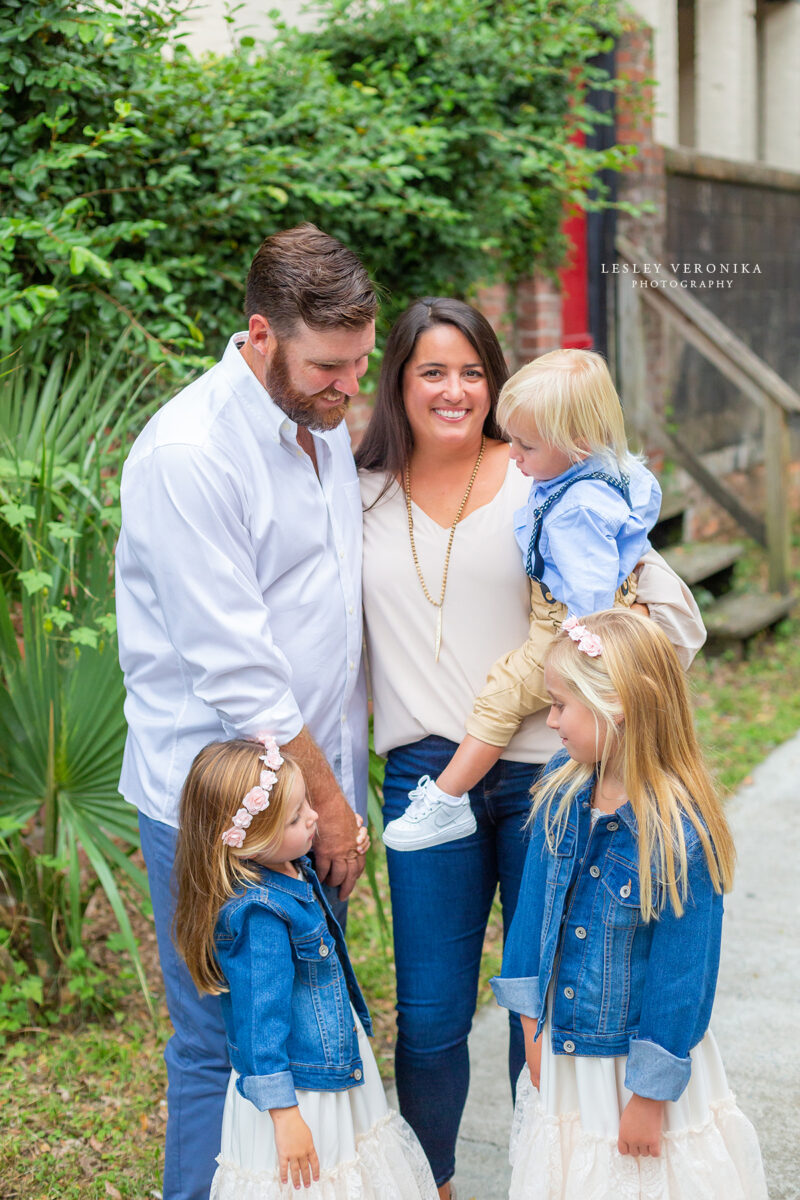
pixel 441 899
pixel 196 1054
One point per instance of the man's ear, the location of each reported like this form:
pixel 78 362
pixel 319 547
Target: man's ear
pixel 260 335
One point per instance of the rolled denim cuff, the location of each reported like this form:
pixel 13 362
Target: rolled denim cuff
pixel 268 1091
pixel 655 1073
pixel 519 995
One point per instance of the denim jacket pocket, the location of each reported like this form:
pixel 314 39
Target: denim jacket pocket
pixel 621 918
pixel 323 984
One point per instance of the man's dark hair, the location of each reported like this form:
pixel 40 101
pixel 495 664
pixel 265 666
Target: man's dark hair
pixel 303 274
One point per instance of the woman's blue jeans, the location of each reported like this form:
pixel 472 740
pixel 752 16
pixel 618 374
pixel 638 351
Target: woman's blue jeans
pixel 441 899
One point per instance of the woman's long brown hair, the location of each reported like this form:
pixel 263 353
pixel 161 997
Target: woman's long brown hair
pixel 387 442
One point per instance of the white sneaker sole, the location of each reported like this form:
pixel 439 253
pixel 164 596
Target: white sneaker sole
pixel 459 829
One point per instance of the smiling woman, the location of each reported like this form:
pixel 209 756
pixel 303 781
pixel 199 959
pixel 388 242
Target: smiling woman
pixel 439 494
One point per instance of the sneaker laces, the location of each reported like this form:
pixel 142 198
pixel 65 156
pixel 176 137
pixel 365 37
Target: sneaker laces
pixel 421 802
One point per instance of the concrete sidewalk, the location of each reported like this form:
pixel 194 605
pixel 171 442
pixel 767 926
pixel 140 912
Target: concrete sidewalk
pixel 757 1010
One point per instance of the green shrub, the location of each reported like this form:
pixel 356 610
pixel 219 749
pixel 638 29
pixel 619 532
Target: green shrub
pixel 65 832
pixel 433 139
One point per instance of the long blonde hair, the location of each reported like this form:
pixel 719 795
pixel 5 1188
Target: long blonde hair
pixel 637 692
pixel 208 871
pixel 568 396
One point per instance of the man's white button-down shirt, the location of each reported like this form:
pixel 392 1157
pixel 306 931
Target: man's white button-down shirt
pixel 238 587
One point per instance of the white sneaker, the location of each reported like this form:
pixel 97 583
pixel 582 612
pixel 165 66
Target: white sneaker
pixel 429 820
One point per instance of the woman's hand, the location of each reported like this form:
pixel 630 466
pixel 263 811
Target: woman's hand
pixel 640 1127
pixel 533 1050
pixel 295 1146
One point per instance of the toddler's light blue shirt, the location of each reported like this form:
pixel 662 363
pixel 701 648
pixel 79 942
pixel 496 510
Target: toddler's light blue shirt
pixel 591 539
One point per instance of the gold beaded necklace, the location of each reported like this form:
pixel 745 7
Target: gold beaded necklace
pixel 438 604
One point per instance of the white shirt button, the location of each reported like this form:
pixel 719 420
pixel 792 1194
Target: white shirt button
pixel 580 932
pixel 569 1047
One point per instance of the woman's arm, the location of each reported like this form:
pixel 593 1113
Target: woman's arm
pixel 671 605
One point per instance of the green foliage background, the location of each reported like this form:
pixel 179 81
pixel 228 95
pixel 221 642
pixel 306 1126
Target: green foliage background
pixel 137 181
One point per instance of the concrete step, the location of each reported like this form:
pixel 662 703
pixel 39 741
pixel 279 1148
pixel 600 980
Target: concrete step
pixel 737 618
pixel 708 563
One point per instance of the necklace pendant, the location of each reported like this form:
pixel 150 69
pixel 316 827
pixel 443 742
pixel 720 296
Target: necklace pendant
pixel 438 643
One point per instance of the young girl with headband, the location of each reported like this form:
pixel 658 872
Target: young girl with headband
pixel 613 952
pixel 584 530
pixel 305 1103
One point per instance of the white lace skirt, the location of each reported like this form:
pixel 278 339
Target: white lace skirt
pixel 366 1151
pixel 564 1136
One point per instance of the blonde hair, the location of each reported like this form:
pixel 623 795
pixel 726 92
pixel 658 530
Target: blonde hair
pixel 208 871
pixel 637 691
pixel 568 396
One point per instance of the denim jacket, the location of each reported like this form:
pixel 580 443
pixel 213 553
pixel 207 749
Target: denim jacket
pixel 287 1012
pixel 620 985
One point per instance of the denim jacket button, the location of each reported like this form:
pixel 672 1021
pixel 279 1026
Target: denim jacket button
pixel 569 993
pixel 626 890
pixel 569 1047
pixel 580 932
pixel 594 872
pixel 357 1073
pixel 612 825
pixel 323 950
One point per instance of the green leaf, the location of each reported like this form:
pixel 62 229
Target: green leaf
pixel 17 514
pixel 84 636
pixel 81 257
pixel 35 581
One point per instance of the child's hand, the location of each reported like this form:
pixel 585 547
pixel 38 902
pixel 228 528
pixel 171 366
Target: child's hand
pixel 640 1127
pixel 533 1050
pixel 295 1146
pixel 362 837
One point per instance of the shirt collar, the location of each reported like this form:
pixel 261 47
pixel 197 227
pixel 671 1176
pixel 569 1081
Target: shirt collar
pixel 302 889
pixel 624 812
pixel 542 488
pixel 268 419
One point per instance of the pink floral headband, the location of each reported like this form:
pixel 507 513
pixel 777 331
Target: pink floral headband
pixel 587 641
pixel 257 799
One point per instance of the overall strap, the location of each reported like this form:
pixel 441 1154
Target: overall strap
pixel 534 563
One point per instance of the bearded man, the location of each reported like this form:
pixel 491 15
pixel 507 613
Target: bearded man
pixel 239 608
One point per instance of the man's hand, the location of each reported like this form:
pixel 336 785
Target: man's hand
pixel 338 846
pixel 295 1147
pixel 337 855
pixel 533 1050
pixel 640 1127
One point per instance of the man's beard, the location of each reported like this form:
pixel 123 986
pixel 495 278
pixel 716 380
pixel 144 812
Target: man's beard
pixel 298 406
